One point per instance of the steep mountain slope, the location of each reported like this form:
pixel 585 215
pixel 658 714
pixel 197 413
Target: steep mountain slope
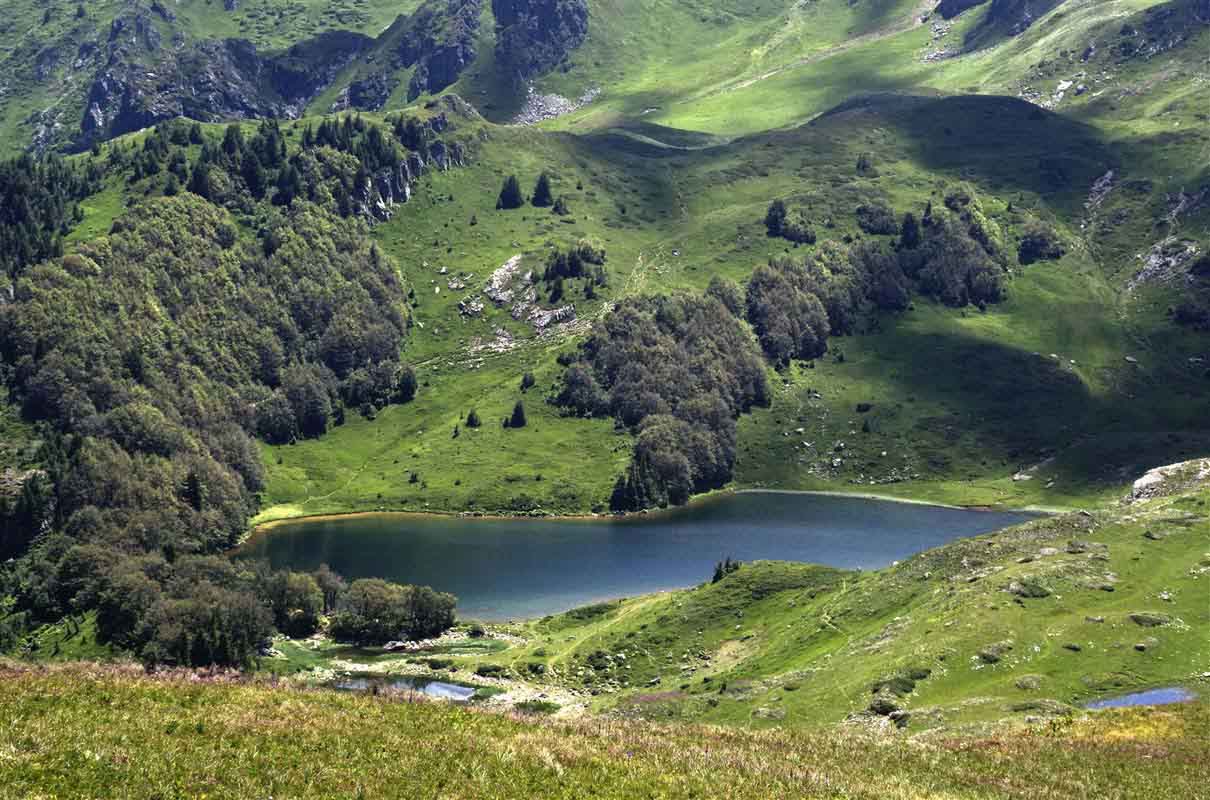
pixel 90 74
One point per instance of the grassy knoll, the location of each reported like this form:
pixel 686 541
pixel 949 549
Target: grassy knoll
pixel 87 731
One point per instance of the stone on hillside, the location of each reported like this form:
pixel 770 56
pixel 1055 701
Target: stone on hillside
pixel 1029 683
pixel 1146 644
pixel 1045 706
pixel 1073 647
pixel 884 703
pixel 1027 587
pixel 993 653
pixel 1149 619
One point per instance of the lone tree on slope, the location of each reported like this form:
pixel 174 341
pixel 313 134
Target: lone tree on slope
pixel 542 194
pixel 510 194
pixel 517 420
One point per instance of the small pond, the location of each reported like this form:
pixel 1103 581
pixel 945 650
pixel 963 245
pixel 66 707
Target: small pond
pixel 1151 697
pixel 399 683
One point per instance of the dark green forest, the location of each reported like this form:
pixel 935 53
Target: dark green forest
pixel 241 298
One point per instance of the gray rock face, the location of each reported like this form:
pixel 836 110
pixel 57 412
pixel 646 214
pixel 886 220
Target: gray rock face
pixel 370 93
pixel 392 186
pixel 535 36
pixel 441 43
pixel 437 40
pixel 209 81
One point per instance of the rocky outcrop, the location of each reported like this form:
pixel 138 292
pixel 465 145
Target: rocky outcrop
pixel 392 186
pixel 535 36
pixel 1004 18
pixel 209 81
pixel 437 42
pixel 441 45
pixel 1014 16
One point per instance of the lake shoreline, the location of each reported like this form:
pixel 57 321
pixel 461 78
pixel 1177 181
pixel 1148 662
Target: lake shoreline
pixel 262 528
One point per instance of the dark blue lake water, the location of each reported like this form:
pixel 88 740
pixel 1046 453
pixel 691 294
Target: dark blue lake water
pixel 519 568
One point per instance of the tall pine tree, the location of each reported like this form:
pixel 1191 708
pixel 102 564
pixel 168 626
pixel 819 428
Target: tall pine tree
pixel 510 194
pixel 543 198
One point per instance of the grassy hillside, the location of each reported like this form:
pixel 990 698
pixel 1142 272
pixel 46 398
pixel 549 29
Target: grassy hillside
pixel 84 731
pixel 672 218
pixel 709 112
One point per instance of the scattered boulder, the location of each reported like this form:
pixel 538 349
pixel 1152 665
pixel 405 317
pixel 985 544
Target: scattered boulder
pixel 884 703
pixel 993 653
pixel 1045 706
pixel 1028 587
pixel 1148 619
pixel 1029 683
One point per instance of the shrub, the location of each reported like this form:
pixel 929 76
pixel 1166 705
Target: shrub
pixel 374 611
pixel 727 292
pixel 775 217
pixel 517 420
pixel 1040 242
pixel 877 218
pixel 537 707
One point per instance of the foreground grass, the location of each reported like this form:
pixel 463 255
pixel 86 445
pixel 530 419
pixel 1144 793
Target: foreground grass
pixel 88 731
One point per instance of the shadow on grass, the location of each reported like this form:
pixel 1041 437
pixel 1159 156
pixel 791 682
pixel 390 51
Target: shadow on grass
pixel 1003 143
pixel 1029 407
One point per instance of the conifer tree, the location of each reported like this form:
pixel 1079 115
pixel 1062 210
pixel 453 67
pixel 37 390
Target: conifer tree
pixel 510 194
pixel 542 194
pixel 517 420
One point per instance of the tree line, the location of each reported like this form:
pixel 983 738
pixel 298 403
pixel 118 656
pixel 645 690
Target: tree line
pixel 677 371
pixel 39 202
pixel 242 298
pixel 954 253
